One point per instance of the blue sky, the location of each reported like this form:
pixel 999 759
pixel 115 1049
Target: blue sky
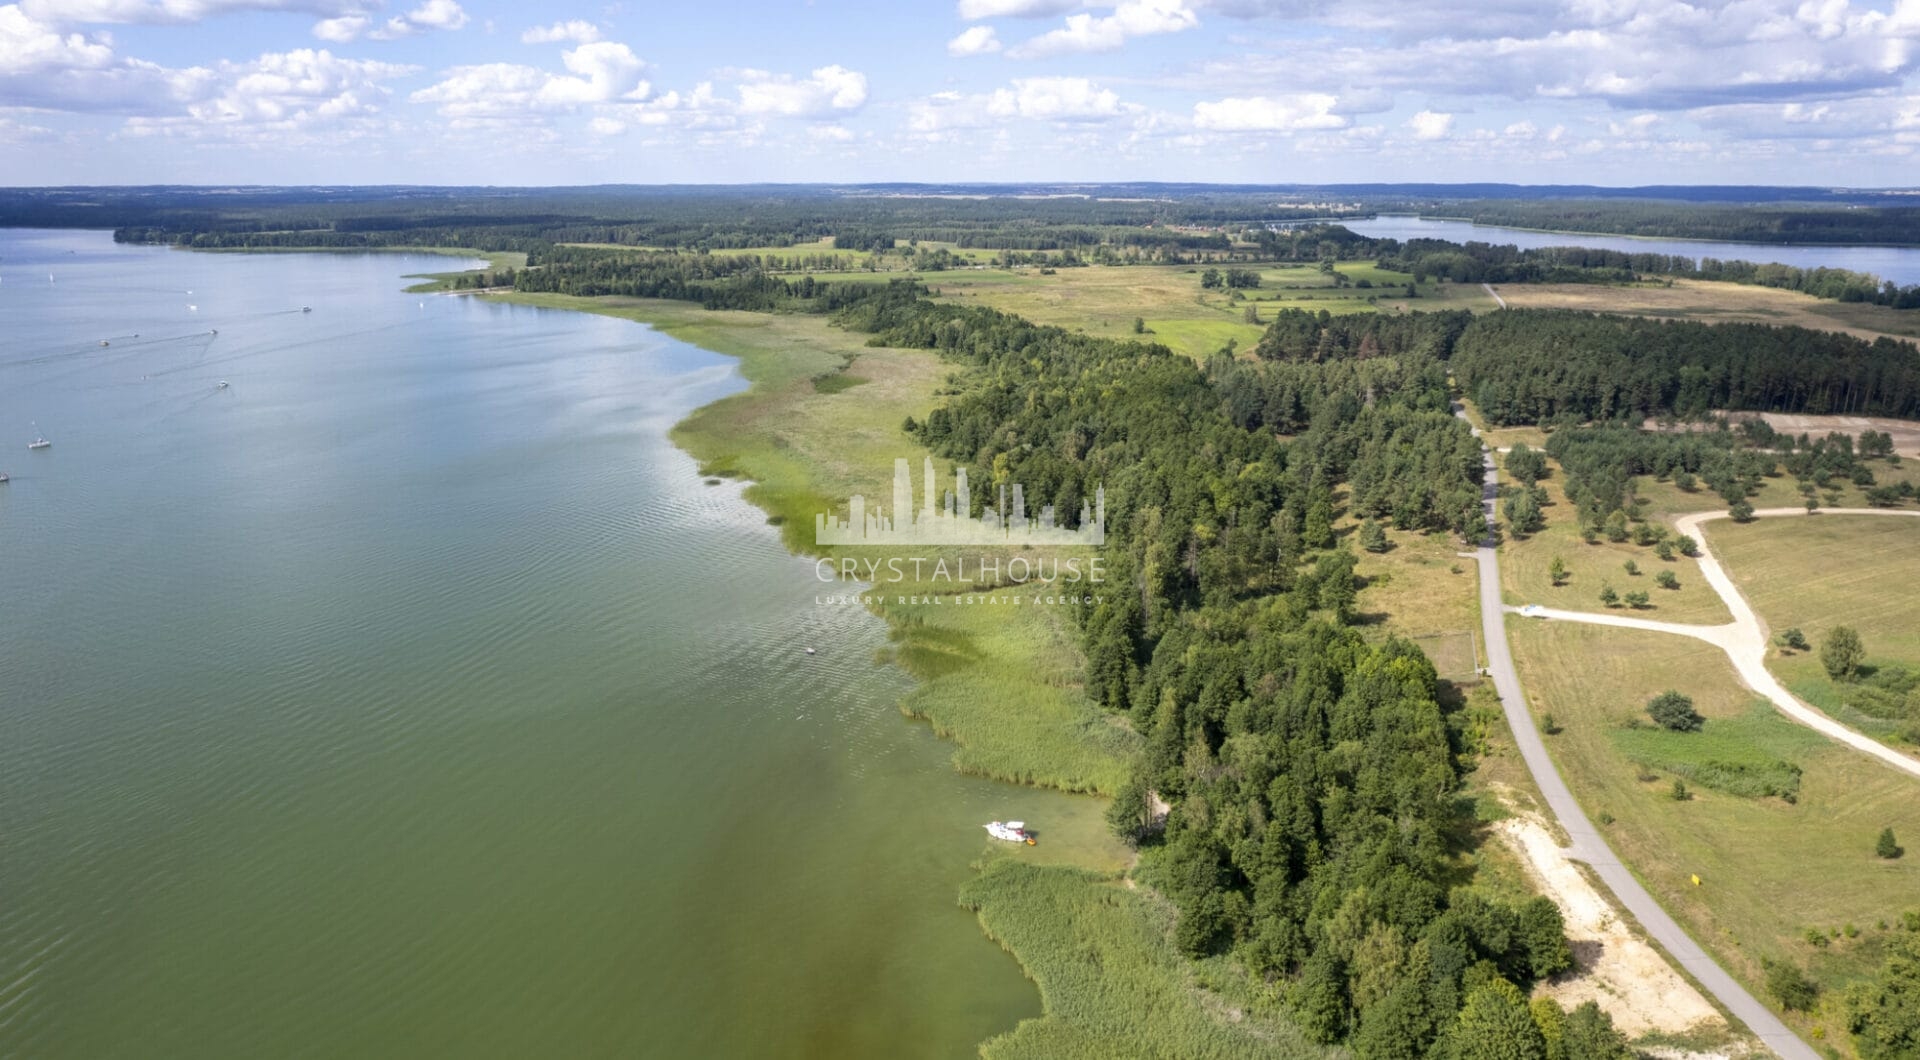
pixel 479 92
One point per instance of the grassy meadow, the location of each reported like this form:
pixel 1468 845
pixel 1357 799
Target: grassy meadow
pixel 1525 568
pixel 1825 571
pixel 1771 870
pixel 1177 311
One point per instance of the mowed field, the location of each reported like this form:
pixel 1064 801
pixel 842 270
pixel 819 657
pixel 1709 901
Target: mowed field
pixel 1825 571
pixel 1770 870
pixel 1714 303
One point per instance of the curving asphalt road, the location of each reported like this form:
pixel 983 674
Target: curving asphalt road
pixel 1588 845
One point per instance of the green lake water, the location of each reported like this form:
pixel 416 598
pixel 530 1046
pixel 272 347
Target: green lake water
pixel 413 696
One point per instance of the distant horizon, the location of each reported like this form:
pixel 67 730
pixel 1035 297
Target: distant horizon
pixel 1371 185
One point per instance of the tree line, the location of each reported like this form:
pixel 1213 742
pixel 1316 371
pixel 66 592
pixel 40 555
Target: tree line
pixel 1538 365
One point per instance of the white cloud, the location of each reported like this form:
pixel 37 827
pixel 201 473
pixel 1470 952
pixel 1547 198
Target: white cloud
pixel 1132 18
pixel 431 15
pixel 69 12
pixel 830 133
pixel 1304 110
pixel 604 126
pixel 577 31
pixel 1523 129
pixel 1430 125
pixel 974 10
pixel 975 40
pixel 1055 99
pixel 829 89
pixel 341 30
pixel 299 96
pixel 27 45
pixel 602 72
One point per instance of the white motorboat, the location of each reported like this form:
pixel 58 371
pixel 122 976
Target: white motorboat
pixel 222 386
pixel 1010 831
pixel 39 440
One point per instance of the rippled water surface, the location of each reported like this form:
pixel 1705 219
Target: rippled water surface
pixel 413 696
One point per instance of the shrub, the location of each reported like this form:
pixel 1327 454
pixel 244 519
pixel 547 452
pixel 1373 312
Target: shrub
pixel 1789 985
pixel 1675 711
pixel 1666 579
pixel 1887 847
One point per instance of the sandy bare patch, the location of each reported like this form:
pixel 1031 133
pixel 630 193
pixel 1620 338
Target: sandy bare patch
pixel 1906 433
pixel 1614 968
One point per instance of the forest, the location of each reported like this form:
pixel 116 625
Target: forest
pixel 1541 365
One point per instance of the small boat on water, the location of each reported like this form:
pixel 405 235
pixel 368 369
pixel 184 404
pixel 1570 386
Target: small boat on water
pixel 104 342
pixel 1011 832
pixel 810 651
pixel 306 309
pixel 222 386
pixel 39 440
pixel 4 478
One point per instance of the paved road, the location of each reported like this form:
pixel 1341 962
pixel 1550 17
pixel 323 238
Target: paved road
pixel 1588 845
pixel 1745 638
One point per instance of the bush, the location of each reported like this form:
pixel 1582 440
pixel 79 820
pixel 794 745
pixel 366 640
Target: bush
pixel 1675 711
pixel 1637 599
pixel 1666 580
pixel 1887 847
pixel 1679 792
pixel 1789 986
pixel 1792 638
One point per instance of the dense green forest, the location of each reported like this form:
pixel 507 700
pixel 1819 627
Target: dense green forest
pixel 1539 365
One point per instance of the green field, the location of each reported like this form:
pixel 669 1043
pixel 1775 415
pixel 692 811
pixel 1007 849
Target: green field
pixel 1770 870
pixel 1826 571
pixel 1177 311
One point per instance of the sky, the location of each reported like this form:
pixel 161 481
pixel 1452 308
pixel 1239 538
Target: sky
pixel 1618 92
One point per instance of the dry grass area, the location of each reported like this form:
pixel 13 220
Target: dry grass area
pixel 1712 303
pixel 1525 563
pixel 1770 871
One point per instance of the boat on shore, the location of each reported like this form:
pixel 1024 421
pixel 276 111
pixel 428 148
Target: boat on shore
pixel 1011 832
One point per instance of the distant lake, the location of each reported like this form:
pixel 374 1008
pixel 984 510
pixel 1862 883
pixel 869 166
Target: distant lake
pixel 1899 264
pixel 412 696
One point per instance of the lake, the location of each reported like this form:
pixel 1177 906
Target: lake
pixel 411 695
pixel 1899 264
